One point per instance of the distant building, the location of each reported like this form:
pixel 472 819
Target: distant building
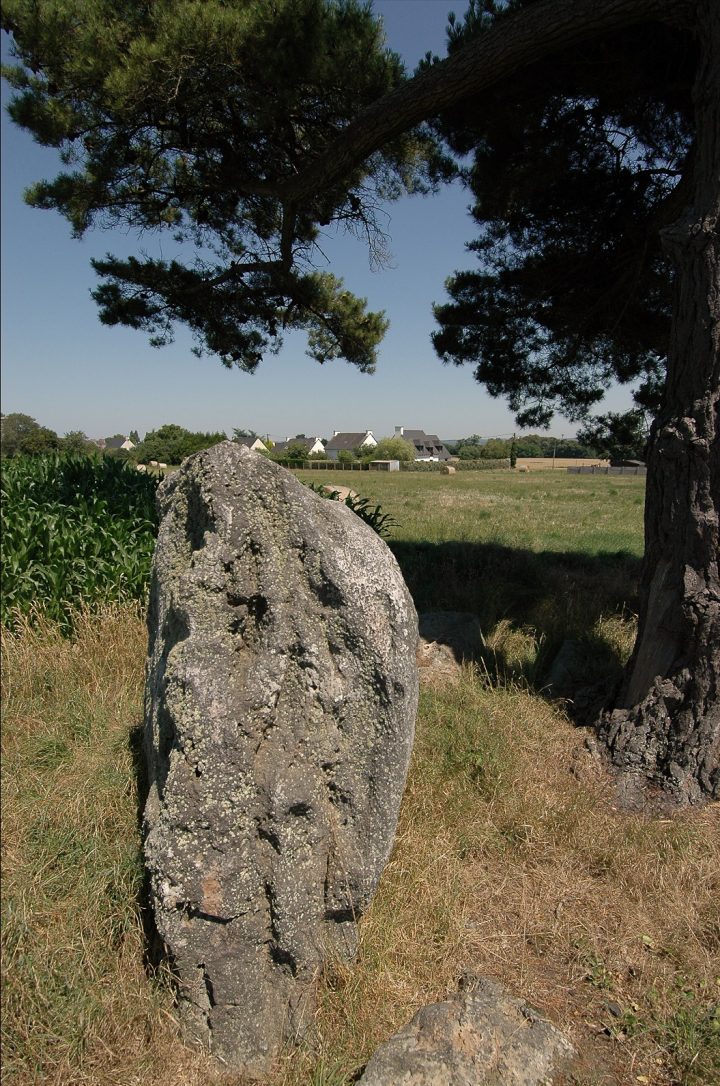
pixel 114 443
pixel 346 442
pixel 253 443
pixel 427 446
pixel 312 445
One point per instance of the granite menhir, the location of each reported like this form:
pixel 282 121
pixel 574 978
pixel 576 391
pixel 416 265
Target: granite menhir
pixel 280 707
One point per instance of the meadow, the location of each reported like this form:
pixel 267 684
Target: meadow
pixel 511 858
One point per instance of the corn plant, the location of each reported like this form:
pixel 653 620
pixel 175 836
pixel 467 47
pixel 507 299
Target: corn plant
pixel 76 529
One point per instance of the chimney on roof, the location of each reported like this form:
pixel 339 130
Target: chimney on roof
pixel 399 431
pixel 335 433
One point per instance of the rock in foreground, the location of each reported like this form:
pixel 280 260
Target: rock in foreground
pixel 479 1037
pixel 448 639
pixel 280 707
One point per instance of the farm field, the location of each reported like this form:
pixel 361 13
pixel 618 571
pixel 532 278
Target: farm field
pixel 559 463
pixel 539 558
pixel 510 860
pixel 552 510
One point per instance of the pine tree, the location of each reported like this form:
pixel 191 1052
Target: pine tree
pixel 243 127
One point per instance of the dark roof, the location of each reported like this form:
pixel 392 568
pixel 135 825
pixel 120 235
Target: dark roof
pixel 306 442
pixel 426 444
pixel 115 442
pixel 346 441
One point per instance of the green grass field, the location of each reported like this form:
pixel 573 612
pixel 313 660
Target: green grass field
pixel 540 511
pixel 539 557
pixel 510 858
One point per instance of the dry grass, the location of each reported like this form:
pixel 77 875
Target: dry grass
pixel 510 860
pixel 78 1004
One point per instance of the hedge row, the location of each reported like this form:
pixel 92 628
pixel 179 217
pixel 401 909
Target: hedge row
pixel 416 465
pixel 459 465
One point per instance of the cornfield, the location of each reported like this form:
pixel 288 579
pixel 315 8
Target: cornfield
pixel 76 530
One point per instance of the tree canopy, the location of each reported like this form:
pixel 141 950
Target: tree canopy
pixel 187 119
pixel 14 427
pixel 526 445
pixel 573 177
pixel 170 444
pixel 390 448
pixel 21 433
pixel 618 436
pixel 243 128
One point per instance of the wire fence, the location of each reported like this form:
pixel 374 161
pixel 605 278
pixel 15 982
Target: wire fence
pixel 639 470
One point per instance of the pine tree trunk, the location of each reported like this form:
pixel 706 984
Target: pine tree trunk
pixel 665 725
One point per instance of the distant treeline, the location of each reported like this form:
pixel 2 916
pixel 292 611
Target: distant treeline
pixel 170 444
pixel 22 435
pixel 497 448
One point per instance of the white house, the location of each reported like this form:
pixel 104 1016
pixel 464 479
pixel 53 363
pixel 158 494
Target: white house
pixel 253 443
pixel 114 443
pixel 346 442
pixel 312 445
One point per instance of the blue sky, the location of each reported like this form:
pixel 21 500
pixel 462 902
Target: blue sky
pixel 60 365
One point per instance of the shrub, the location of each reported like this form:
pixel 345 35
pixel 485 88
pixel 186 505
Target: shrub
pixel 391 448
pixel 459 465
pixel 373 515
pixel 76 529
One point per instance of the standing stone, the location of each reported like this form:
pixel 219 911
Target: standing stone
pixel 280 705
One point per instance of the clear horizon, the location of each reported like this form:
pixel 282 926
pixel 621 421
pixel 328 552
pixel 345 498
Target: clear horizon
pixel 64 368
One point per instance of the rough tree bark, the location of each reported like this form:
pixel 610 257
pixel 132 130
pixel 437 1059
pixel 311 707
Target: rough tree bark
pixel 665 726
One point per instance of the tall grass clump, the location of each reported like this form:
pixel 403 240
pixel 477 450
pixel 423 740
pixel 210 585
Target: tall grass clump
pixel 78 1006
pixel 76 529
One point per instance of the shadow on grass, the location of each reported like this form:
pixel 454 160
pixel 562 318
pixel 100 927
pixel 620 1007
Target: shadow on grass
pixel 549 597
pixel 154 948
